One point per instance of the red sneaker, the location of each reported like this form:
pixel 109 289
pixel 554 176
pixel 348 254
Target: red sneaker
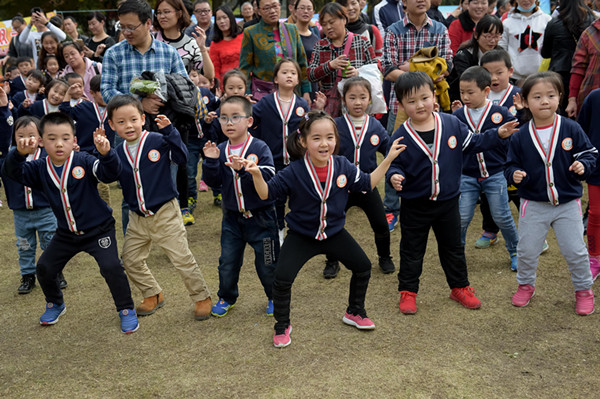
pixel 282 340
pixel 408 302
pixel 466 297
pixel 584 302
pixel 523 295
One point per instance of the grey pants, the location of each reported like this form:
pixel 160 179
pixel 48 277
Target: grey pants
pixel 535 219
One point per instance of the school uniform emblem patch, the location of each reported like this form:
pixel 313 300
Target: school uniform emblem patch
pixel 154 155
pixel 78 172
pixel 513 110
pixel 10 120
pixel 341 181
pixel 205 99
pixel 253 158
pixel 452 142
pixel 567 144
pixel 375 140
pixel 104 242
pixel 300 111
pixel 497 117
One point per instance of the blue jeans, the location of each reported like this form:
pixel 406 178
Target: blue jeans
pixel 261 232
pixel 195 147
pixel 495 189
pixel 27 222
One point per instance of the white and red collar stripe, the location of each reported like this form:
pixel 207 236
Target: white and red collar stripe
pixel 357 140
pixel 433 156
pixel 45 106
pixel 285 118
pixel 137 176
pixel 61 183
pixel 548 157
pixel 28 191
pixel 237 183
pixel 323 193
pixel 31 97
pixel 506 95
pixel 100 115
pixel 477 129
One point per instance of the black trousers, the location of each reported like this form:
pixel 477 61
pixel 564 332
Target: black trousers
pixel 417 217
pixel 297 249
pixel 370 202
pixel 100 242
pixel 487 224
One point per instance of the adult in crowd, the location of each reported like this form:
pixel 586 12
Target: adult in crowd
pixel 358 26
pixel 227 42
pixel 462 7
pixel 434 12
pixel 461 30
pixel 203 14
pixel 51 46
pixel 99 42
pixel 77 62
pixel 502 7
pixel 265 43
pixel 70 28
pixel 387 12
pixel 256 18
pixel 488 32
pixel 16 48
pixel 523 37
pixel 304 10
pixel 247 13
pixel 34 39
pixel 339 54
pixel 171 18
pixel 560 39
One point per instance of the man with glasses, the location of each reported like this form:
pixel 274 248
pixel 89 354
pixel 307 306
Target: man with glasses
pixel 203 14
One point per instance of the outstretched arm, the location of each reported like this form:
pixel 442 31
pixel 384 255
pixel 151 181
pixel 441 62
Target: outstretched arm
pixel 395 150
pixel 259 182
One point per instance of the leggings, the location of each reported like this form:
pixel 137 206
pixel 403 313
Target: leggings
pixel 593 229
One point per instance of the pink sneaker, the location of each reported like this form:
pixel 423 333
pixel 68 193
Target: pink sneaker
pixel 584 302
pixel 283 340
pixel 594 266
pixel 523 295
pixel 202 187
pixel 362 323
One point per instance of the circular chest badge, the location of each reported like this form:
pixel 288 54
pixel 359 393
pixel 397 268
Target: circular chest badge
pixel 253 158
pixel 154 155
pixel 375 140
pixel 567 144
pixel 9 121
pixel 78 172
pixel 513 110
pixel 205 99
pixel 341 181
pixel 300 111
pixel 452 142
pixel 497 117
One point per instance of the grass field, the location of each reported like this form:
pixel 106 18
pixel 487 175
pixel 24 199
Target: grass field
pixel 444 351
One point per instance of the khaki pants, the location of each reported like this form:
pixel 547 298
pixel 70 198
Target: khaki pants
pixel 165 228
pixel 401 117
pixel 104 191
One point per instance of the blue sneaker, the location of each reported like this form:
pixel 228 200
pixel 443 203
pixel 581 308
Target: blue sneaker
pixel 52 313
pixel 392 221
pixel 129 321
pixel 220 308
pixel 270 307
pixel 513 261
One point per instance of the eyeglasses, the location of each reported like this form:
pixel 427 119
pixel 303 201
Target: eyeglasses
pixel 130 29
pixel 165 13
pixel 305 8
pixel 491 36
pixel 202 12
pixel 223 120
pixel 271 8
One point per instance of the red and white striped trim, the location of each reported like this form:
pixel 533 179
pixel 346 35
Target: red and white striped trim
pixel 506 95
pixel 101 116
pixel 237 183
pixel 477 129
pixel 61 183
pixel 28 191
pixel 285 118
pixel 547 158
pixel 323 193
pixel 357 140
pixel 137 176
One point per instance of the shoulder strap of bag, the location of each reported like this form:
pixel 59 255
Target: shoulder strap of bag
pixel 286 34
pixel 346 52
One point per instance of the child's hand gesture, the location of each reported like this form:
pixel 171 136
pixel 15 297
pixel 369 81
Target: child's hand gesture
pixel 250 167
pixel 27 103
pixel 72 88
pixel 396 149
pixel 210 117
pixel 456 104
pixel 518 176
pixel 396 181
pixel 235 162
pixel 3 98
pixel 27 145
pixel 162 121
pixel 101 142
pixel 320 101
pixel 577 167
pixel 518 101
pixel 41 90
pixel 508 129
pixel 250 98
pixel 211 150
pixel 6 85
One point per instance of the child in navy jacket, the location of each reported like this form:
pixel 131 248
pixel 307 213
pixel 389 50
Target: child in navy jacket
pixel 317 183
pixel 246 218
pixel 154 215
pixel 85 222
pixel 547 160
pixel 427 176
pixel 55 92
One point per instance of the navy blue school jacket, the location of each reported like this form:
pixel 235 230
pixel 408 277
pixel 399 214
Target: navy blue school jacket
pixel 318 210
pixel 589 119
pixel 21 197
pixel 20 96
pixel 7 121
pixel 38 108
pixel 271 126
pixel 146 177
pixel 435 173
pixel 72 189
pixel 88 118
pixel 507 100
pixel 239 193
pixel 487 163
pixel 548 177
pixel 17 84
pixel 361 147
pixel 212 105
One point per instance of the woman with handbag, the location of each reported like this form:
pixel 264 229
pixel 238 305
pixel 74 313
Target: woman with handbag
pixel 337 56
pixel 266 43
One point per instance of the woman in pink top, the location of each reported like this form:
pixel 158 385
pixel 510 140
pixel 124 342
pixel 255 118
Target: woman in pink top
pixel 227 42
pixel 78 63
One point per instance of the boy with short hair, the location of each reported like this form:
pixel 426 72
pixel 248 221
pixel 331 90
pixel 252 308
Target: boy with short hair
pixel 499 65
pixel 24 65
pixel 427 177
pixel 75 91
pixel 35 80
pixel 154 215
pixel 246 218
pixel 483 172
pixel 85 222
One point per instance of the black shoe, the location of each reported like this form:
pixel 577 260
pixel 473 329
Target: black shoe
pixel 331 269
pixel 27 284
pixel 62 282
pixel 387 265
